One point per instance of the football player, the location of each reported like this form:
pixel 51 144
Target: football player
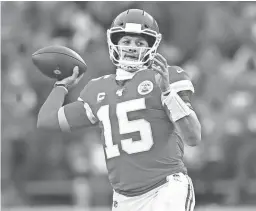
pixel 145 114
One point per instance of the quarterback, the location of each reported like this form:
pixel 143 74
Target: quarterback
pixel 146 117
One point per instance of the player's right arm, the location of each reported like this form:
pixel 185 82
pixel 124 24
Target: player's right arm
pixel 54 116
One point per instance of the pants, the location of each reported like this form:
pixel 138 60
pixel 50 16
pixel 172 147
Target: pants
pixel 177 194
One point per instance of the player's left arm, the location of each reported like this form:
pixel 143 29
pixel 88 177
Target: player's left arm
pixel 179 109
pixel 176 99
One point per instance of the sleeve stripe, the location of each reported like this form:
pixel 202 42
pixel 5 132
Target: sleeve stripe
pixel 182 85
pixel 63 122
pixel 88 111
pixel 80 99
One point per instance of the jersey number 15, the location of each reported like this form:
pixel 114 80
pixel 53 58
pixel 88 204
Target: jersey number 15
pixel 126 126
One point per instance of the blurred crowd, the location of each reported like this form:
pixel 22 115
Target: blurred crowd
pixel 215 42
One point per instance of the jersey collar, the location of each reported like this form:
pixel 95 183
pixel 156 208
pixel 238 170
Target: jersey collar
pixel 125 75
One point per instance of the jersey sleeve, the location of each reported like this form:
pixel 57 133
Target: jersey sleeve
pixel 176 101
pixel 181 83
pixel 78 114
pixel 180 80
pixel 86 98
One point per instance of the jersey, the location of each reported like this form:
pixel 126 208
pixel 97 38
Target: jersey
pixel 140 142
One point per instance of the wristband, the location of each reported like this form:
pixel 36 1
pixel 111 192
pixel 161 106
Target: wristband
pixel 61 85
pixel 167 92
pixel 177 107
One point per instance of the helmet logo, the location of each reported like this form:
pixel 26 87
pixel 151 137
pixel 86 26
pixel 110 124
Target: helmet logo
pixel 137 22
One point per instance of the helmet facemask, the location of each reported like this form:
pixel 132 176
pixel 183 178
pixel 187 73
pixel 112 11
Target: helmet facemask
pixel 145 54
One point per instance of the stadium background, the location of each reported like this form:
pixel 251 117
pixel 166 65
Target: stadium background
pixel 215 42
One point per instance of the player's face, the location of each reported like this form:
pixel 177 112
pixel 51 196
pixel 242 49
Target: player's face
pixel 132 48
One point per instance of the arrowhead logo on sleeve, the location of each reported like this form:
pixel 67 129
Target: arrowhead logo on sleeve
pixel 179 70
pixel 101 96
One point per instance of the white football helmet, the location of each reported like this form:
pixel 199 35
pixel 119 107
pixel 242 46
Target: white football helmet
pixel 133 22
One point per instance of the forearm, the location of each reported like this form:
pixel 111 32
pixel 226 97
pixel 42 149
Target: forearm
pixel 48 114
pixel 190 127
pixel 183 117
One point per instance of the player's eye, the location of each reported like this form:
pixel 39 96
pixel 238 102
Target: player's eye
pixel 141 44
pixel 125 42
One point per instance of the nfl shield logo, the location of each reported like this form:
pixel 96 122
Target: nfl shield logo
pixel 119 92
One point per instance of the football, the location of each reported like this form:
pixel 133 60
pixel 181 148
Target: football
pixel 58 61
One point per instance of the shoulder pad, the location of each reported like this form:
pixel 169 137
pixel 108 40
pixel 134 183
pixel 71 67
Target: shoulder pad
pixel 85 93
pixel 179 79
